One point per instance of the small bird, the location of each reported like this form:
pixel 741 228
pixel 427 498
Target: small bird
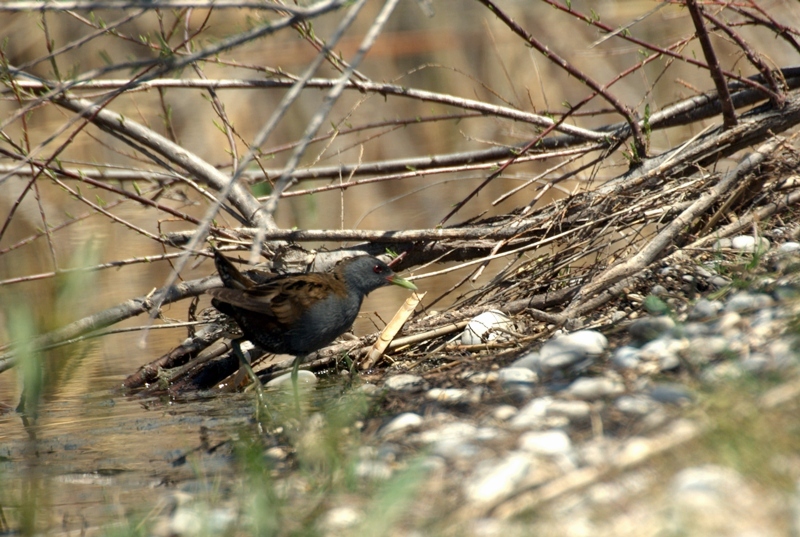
pixel 298 314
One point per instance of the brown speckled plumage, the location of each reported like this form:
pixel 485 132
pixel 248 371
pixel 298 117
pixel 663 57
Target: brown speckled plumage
pixel 299 313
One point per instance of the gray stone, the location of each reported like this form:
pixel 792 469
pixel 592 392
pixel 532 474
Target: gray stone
pixel 705 309
pixel 373 470
pixel 785 291
pixel 744 301
pixel 369 389
pixel 454 448
pixel 341 518
pixel 748 243
pixel 715 500
pixel 403 382
pixel 487 326
pixel 199 518
pixel 719 281
pixel 636 405
pixel 304 377
pixel 452 430
pixel 434 463
pixel 595 388
pixel 530 361
pixel 675 394
pixel 669 362
pixel 387 451
pixel 712 375
pixel 763 319
pixel 504 412
pixel 617 316
pixel 658 290
pixel 729 322
pixel 573 324
pixel 696 330
pixel 519 391
pixel 574 410
pixel 795 509
pixel 626 357
pixel 703 350
pixel 597 451
pixel 402 422
pixel 496 478
pixel 481 377
pixel 448 395
pixel 789 247
pixel 571 349
pixel 490 527
pixel 721 372
pixel 756 363
pixel 655 420
pixel 665 352
pixel 782 353
pixel 703 273
pixel 454 440
pixel 533 414
pixel 276 454
pixel 511 376
pixel 649 328
pixel 488 433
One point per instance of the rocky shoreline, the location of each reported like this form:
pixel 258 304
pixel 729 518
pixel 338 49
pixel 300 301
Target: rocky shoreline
pixel 572 436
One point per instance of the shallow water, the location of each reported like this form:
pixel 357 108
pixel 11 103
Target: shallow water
pixel 94 459
pixel 96 456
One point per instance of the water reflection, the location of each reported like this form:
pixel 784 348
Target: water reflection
pixel 93 458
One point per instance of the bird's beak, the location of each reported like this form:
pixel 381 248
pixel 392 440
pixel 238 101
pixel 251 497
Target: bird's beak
pixel 397 280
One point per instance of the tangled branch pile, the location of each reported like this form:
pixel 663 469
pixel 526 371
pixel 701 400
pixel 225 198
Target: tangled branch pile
pixel 598 208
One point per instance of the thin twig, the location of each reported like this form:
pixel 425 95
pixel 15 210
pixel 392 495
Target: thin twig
pixel 639 142
pixel 728 113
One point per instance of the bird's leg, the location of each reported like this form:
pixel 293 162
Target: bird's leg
pixel 295 388
pixel 245 364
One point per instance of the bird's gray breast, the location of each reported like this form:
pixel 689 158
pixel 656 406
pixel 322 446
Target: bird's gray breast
pixel 327 320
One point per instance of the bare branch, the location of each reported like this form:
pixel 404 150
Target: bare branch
pixel 90 5
pixel 728 114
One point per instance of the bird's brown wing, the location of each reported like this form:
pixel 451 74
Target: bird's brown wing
pixel 233 278
pixel 284 298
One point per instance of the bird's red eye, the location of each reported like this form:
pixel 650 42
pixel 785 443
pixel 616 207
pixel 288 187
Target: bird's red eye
pixel 377 269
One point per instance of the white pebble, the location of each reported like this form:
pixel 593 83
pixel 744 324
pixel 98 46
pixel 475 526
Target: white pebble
pixel 403 382
pixel 496 478
pixel 564 351
pixel 574 410
pixel 402 422
pixel 448 395
pixel 504 412
pixel 547 443
pixel 595 388
pixel 516 375
pixel 340 518
pixel 303 377
pixel 747 243
pixel 485 327
pixel 626 357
